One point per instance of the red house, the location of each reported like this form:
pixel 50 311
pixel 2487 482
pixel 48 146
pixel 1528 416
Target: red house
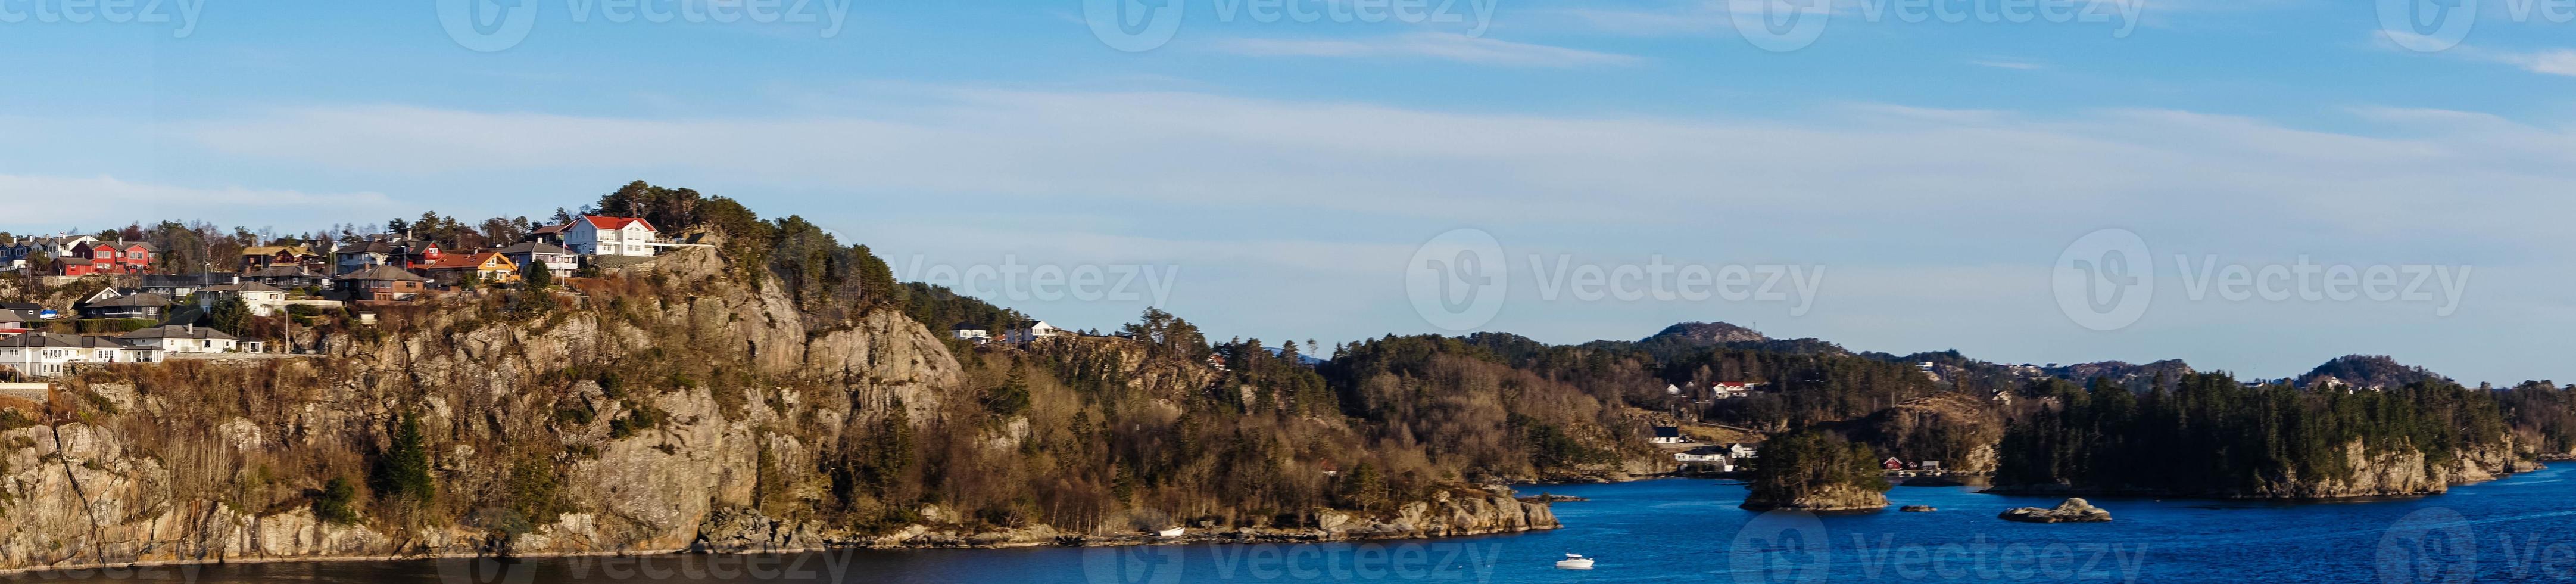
pixel 107 257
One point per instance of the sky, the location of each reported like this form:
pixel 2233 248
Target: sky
pixel 2250 185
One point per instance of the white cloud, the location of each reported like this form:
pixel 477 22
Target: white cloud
pixel 1432 45
pixel 46 204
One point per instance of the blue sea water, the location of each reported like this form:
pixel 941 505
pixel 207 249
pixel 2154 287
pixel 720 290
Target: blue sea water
pixel 2521 528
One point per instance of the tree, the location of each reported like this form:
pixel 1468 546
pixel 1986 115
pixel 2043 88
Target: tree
pixel 402 473
pixel 232 315
pixel 536 274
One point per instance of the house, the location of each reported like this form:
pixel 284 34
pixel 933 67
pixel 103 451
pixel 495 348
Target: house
pixel 615 236
pixel 395 251
pixel 1742 450
pixel 550 234
pixel 1892 464
pixel 177 285
pixel 182 339
pixel 11 323
pixel 562 262
pixel 30 311
pixel 143 305
pixel 1731 390
pixel 288 277
pixel 1672 389
pixel 266 256
pixel 1668 435
pixel 381 283
pixel 1703 454
pixel 969 332
pixel 54 354
pixel 486 267
pixel 105 257
pixel 263 299
pixel 29 250
pixel 1021 336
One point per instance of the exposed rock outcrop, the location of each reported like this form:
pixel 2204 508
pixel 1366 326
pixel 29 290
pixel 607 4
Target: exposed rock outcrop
pixel 2070 511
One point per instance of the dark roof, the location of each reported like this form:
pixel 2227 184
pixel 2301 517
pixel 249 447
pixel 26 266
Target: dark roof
pixel 534 247
pixel 1667 432
pixel 382 272
pixel 144 300
pixel 186 280
pixel 176 332
pixel 59 340
pixel 26 306
pixel 284 271
pixel 242 287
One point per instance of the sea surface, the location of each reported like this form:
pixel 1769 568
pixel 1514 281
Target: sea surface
pixel 2521 529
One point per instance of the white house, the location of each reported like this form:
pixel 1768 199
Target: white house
pixel 968 332
pixel 1033 332
pixel 1743 450
pixel 558 260
pixel 1672 389
pixel 1668 435
pixel 183 339
pixel 263 299
pixel 615 236
pixel 53 354
pixel 1731 390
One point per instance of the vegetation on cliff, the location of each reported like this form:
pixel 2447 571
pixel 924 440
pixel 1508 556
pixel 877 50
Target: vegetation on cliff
pixel 1816 471
pixel 2214 436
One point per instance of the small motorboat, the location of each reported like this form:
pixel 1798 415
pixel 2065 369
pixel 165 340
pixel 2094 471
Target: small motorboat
pixel 1575 562
pixel 1173 532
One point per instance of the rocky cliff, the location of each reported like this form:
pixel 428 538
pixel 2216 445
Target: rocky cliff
pixel 676 405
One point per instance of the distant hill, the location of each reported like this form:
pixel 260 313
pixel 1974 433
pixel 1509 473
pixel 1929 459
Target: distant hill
pixel 2125 372
pixel 2368 371
pixel 1708 333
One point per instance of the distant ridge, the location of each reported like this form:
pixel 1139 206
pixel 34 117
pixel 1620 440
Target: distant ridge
pixel 1708 333
pixel 2368 372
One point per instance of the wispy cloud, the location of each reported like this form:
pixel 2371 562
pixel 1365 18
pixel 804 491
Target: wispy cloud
pixel 106 201
pixel 2561 62
pixel 1432 45
pixel 2002 64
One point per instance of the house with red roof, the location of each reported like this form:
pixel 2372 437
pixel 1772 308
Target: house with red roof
pixel 611 236
pixel 106 257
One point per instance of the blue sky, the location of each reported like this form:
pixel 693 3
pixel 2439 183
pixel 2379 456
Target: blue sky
pixel 1285 173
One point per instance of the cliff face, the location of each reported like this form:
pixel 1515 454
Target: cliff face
pixel 2373 473
pixel 1839 497
pixel 675 406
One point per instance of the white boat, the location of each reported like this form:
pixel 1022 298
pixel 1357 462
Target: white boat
pixel 1575 562
pixel 1173 532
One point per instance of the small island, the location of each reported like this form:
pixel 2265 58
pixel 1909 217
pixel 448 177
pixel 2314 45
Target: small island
pixel 2075 510
pixel 1816 471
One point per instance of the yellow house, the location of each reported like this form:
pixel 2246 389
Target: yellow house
pixel 489 267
